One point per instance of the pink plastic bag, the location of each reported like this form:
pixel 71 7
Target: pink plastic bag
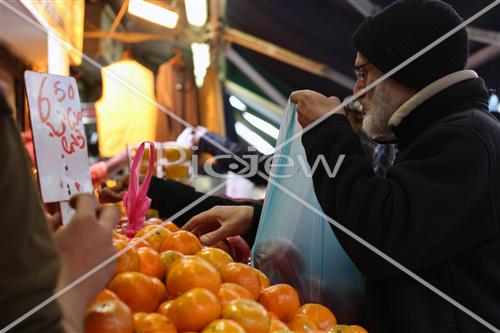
pixel 135 199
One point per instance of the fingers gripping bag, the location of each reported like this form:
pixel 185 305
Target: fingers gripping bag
pixel 135 199
pixel 297 246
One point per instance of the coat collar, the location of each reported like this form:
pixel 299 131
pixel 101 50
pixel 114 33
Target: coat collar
pixel 450 94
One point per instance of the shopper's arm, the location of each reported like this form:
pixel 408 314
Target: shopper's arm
pixel 420 213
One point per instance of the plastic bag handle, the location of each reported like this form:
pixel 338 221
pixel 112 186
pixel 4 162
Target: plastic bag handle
pixel 135 199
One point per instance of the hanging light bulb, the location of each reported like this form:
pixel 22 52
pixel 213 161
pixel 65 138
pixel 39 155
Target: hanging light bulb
pixel 196 12
pixel 201 61
pixel 153 13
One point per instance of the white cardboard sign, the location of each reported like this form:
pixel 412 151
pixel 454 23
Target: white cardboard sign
pixel 58 136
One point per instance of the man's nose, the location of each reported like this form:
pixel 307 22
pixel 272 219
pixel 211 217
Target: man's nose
pixel 357 87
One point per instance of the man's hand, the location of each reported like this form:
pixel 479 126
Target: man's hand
pixel 220 222
pixel 312 105
pixel 82 245
pixel 115 193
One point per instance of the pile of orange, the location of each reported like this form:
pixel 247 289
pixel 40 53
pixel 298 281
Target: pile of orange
pixel 167 282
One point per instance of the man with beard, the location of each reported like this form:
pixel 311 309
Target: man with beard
pixel 437 209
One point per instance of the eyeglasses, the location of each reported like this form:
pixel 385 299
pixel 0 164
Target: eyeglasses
pixel 360 73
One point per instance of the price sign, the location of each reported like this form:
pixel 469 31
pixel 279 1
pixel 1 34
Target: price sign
pixel 58 136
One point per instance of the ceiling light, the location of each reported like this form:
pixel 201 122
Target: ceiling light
pixel 153 13
pixel 196 12
pixel 253 138
pixel 237 103
pixel 201 61
pixel 263 125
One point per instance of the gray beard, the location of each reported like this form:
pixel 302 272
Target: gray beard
pixel 384 103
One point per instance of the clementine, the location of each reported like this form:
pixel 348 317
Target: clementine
pixel 109 316
pixel 153 323
pixel 154 235
pixel 190 272
pixel 171 226
pixel 264 281
pixel 168 257
pixel 194 310
pixel 301 323
pixel 160 289
pixel 277 325
pixel 243 275
pixel 151 263
pixel 242 292
pixel 164 307
pixel 216 257
pixel 226 296
pixel 103 295
pixel 223 326
pixel 182 241
pixel 282 299
pixel 137 290
pixel 249 314
pixel 139 242
pixel 127 261
pixel 321 315
pixel 342 329
pixel 153 221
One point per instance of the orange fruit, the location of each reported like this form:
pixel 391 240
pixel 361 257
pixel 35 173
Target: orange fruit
pixel 168 257
pixel 216 257
pixel 182 241
pixel 301 323
pixel 164 307
pixel 194 310
pixel 151 263
pixel 139 315
pixel 342 329
pixel 153 221
pixel 190 272
pixel 277 325
pixel 128 261
pixel 223 326
pixel 155 235
pixel 171 226
pixel 321 315
pixel 264 281
pixel 226 296
pixel 109 316
pixel 272 315
pixel 160 289
pixel 104 295
pixel 242 292
pixel 137 290
pixel 139 242
pixel 243 275
pixel 359 329
pixel 282 299
pixel 117 235
pixel 153 323
pixel 249 314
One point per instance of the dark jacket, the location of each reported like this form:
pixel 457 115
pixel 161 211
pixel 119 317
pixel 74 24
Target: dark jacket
pixel 436 212
pixel 29 262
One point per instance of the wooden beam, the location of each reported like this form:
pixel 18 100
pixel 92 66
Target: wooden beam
pixel 286 56
pixel 139 37
pixel 364 7
pixel 484 36
pixel 256 77
pixel 483 56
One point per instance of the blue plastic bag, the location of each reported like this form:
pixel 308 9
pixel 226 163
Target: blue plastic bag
pixel 297 246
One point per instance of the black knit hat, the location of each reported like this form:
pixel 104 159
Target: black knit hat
pixel 404 28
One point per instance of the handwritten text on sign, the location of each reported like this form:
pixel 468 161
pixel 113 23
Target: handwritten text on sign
pixel 58 135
